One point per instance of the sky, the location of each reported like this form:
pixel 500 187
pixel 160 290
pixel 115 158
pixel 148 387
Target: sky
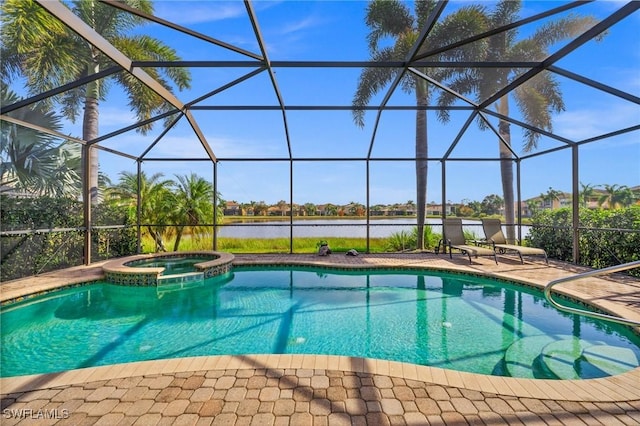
pixel 335 31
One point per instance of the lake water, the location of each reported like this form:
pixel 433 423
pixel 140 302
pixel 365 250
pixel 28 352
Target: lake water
pixel 355 228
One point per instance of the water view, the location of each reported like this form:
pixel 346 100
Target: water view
pixel 355 228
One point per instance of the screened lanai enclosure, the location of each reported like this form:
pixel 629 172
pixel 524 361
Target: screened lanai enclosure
pixel 171 125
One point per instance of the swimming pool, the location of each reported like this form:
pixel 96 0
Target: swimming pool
pixel 443 320
pixel 172 265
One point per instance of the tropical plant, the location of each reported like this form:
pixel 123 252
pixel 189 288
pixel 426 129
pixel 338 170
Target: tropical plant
pixel 311 209
pixel 393 19
pixel 607 237
pixel 29 253
pixel 533 205
pixel 587 192
pixel 156 202
pixel 617 196
pixel 48 54
pixel 35 162
pixel 355 209
pixel 403 240
pixel 400 241
pixel 550 196
pixel 194 207
pixel 260 209
pixel 282 207
pixel 331 210
pixel 492 204
pixel 538 98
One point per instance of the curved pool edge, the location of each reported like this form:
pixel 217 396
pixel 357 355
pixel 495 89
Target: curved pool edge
pixel 122 271
pixel 623 387
pixel 617 298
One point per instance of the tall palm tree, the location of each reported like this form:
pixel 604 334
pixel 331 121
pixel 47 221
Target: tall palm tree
pixel 32 161
pixel 48 54
pixel 156 202
pixel 394 19
pixel 194 205
pixel 537 99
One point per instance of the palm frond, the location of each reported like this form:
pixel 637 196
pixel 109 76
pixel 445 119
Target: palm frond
pixel 466 22
pixel 387 18
pixel 562 29
pixel 371 81
pixel 537 100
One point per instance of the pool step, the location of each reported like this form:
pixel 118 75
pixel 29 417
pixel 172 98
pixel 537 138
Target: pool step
pixel 170 283
pixel 560 358
pixel 521 356
pixel 611 360
pixel 566 357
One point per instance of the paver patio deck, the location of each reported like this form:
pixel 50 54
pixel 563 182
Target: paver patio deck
pixel 327 390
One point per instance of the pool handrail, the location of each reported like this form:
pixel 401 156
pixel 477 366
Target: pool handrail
pixel 603 271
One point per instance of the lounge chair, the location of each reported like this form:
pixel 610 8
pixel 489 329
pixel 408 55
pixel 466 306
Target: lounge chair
pixel 454 239
pixel 494 236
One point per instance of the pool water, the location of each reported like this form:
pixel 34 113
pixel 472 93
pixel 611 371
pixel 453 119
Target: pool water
pixel 172 265
pixel 443 320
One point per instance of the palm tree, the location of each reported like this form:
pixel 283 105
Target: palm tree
pixel 156 202
pixel 616 196
pixel 311 209
pixel 587 192
pixel 331 210
pixel 533 206
pixel 550 196
pixel 537 99
pixel 33 161
pixel 194 206
pixel 48 54
pixel 282 206
pixel 260 209
pixel 393 19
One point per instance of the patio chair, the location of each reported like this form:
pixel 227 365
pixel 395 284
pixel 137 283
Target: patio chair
pixel 454 239
pixel 494 235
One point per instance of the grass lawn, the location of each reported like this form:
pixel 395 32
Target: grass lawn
pixel 271 245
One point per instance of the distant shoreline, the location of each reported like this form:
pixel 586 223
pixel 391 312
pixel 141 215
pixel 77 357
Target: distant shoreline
pixel 245 219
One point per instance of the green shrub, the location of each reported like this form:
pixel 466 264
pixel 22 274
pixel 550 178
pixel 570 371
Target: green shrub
pixel 403 240
pixel 29 252
pixel 606 237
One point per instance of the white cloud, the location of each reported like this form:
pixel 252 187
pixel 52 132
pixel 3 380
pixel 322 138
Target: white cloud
pixel 186 13
pixel 116 118
pixel 582 124
pixel 299 26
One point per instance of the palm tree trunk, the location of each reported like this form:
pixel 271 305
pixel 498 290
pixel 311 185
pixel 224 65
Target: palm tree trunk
pixel 506 167
pixel 421 162
pixel 157 238
pixel 179 231
pixel 90 132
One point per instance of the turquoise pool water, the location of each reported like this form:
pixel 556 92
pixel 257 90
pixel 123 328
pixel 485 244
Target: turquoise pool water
pixel 439 319
pixel 173 265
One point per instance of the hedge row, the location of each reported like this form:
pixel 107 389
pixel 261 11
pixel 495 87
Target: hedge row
pixel 31 253
pixel 612 237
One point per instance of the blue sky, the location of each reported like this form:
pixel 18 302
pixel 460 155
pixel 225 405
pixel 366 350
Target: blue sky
pixel 335 30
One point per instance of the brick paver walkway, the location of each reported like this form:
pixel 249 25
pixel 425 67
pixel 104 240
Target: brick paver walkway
pixel 295 397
